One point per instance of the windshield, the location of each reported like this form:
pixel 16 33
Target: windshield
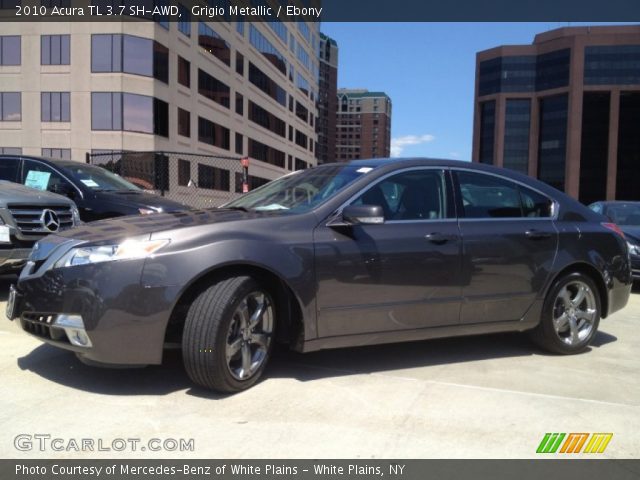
pixel 97 178
pixel 625 214
pixel 300 191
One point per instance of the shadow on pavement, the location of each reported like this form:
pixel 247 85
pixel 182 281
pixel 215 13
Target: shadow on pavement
pixel 64 368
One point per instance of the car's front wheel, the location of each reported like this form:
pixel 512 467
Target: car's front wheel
pixel 570 316
pixel 228 335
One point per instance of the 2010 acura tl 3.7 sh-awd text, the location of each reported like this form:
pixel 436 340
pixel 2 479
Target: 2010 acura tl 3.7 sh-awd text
pixel 338 255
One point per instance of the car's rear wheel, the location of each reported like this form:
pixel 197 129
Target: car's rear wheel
pixel 228 335
pixel 570 316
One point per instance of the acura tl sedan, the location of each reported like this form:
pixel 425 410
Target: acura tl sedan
pixel 339 255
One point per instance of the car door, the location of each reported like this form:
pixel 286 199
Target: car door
pixel 399 275
pixel 509 246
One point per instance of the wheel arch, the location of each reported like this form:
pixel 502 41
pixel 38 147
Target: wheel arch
pixel 288 304
pixel 591 272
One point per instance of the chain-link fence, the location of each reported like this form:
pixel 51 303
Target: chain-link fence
pixel 196 180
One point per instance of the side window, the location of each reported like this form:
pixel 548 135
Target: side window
pixel 9 169
pixel 42 177
pixel 413 195
pixel 486 196
pixel 535 204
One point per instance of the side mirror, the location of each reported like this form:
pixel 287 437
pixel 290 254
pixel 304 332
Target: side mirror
pixel 64 189
pixel 363 214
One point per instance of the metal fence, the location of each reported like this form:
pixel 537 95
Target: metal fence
pixel 196 180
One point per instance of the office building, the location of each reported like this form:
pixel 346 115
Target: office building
pixel 363 127
pixel 222 88
pixel 327 100
pixel 565 109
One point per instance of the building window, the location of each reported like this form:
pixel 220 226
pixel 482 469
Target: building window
pixel 213 134
pixel 239 144
pixel 9 4
pixel 213 43
pixel 184 24
pixel 55 106
pixel 213 178
pixel 184 72
pixel 594 146
pixel 267 85
pixel 552 69
pixel 55 50
pixel 239 63
pixel 265 153
pixel 239 104
pixel 10 151
pixel 553 140
pixel 264 46
pixel 129 54
pixel 516 135
pixel 63 153
pixel 487 131
pixel 129 112
pixel 301 164
pixel 10 50
pixel 254 182
pixel 301 112
pixel 628 174
pixel 612 65
pixel 10 106
pixel 213 89
pixel 184 122
pixel 240 27
pixel 267 120
pixel 301 139
pixel 184 172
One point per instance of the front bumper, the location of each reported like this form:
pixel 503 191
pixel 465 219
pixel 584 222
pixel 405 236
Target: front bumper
pixel 123 320
pixel 13 259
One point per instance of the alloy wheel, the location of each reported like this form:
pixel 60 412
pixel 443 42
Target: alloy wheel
pixel 574 313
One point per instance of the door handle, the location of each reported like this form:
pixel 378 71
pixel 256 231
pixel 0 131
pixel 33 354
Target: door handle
pixel 537 234
pixel 438 238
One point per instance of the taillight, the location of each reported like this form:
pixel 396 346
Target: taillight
pixel 613 227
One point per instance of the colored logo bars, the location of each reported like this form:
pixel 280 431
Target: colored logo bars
pixel 573 443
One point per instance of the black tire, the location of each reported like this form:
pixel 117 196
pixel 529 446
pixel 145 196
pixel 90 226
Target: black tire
pixel 545 334
pixel 210 319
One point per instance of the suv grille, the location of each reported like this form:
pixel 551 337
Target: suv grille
pixel 29 218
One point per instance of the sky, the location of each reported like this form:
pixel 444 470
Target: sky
pixel 428 70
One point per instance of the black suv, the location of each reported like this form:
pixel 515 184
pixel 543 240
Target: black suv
pixel 97 192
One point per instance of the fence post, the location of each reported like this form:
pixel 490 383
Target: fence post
pixel 245 174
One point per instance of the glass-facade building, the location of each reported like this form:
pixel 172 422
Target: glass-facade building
pixel 224 88
pixel 565 109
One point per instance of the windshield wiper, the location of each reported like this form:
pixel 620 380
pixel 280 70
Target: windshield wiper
pixel 241 209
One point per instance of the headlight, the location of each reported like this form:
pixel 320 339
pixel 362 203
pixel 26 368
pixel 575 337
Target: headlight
pixel 75 216
pixel 127 250
pixel 633 249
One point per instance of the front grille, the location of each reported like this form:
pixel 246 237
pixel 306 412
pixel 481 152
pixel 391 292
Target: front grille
pixel 28 218
pixel 41 325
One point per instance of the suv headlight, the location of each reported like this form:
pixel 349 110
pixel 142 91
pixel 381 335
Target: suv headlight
pixel 75 216
pixel 633 249
pixel 127 250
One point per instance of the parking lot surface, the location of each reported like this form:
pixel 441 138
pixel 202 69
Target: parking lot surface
pixel 489 396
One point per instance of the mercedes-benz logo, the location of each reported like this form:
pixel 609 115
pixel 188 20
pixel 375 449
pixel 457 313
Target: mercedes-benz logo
pixel 49 220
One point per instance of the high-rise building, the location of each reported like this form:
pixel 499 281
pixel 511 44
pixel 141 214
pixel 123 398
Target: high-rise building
pixel 327 100
pixel 221 88
pixel 565 109
pixel 363 127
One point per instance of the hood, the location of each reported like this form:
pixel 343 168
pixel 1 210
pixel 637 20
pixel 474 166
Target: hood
pixel 140 225
pixel 631 232
pixel 136 199
pixel 16 193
